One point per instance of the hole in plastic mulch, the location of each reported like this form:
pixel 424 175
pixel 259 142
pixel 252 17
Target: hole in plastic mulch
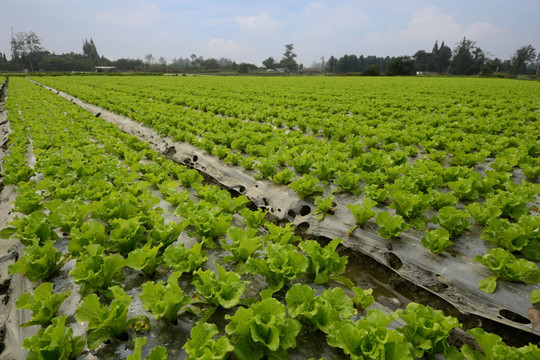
pixel 512 316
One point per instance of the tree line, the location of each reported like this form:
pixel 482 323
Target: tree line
pixel 467 58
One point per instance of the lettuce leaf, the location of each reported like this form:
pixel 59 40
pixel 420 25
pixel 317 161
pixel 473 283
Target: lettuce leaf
pixel 164 301
pixel 200 345
pixel 43 303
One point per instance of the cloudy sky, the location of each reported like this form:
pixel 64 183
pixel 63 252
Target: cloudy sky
pixel 252 30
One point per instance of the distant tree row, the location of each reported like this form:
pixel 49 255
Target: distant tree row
pixel 27 54
pixel 467 58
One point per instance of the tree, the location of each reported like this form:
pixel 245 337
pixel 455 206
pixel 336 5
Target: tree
pixel 288 61
pixel 209 64
pixel 332 62
pixel 129 64
pixel 25 44
pixel 423 60
pixel 468 58
pixel 522 56
pixel 442 61
pixel 90 51
pixel 270 63
pixel 402 65
pixel 3 59
pixel 149 59
pixel 244 68
pixel 371 70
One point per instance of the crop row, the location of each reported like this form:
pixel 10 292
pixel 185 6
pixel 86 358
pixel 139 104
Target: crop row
pixel 441 173
pixel 104 197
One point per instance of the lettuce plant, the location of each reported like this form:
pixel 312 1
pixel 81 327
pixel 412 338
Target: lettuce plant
pixel 14 170
pixel 67 214
pixel 376 193
pixel 324 207
pixel 368 338
pixel 505 266
pixel 390 225
pixel 262 330
pixel 33 226
pixel 233 158
pixel 117 206
pixel 494 348
pixel 325 169
pixel 166 234
pixel 91 232
pixel 164 301
pixel 362 297
pixel 244 244
pixel 362 213
pixel 454 220
pixel 282 264
pixel 323 262
pixel 28 199
pixel 125 235
pixel 224 290
pixel 43 303
pixel 426 329
pixel 96 271
pixel 201 344
pixel 214 196
pixel 441 199
pixel 531 225
pixel 189 178
pixel 56 341
pixel 465 188
pixel 302 163
pixel 409 205
pixel 513 203
pixel 348 182
pixel 208 221
pixel 38 262
pixel 280 235
pixel 510 236
pixel 267 168
pixel 530 171
pixel 145 258
pixel 174 197
pixel 482 213
pixel 436 240
pixel 107 322
pixel 253 219
pixel 306 186
pixel 332 305
pixel 178 258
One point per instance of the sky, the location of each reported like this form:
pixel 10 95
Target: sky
pixel 253 30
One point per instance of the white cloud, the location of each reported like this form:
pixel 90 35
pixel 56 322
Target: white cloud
pixel 135 14
pixel 263 23
pixel 430 24
pixel 219 47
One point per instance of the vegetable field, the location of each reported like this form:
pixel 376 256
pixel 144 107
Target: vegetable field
pixel 224 217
